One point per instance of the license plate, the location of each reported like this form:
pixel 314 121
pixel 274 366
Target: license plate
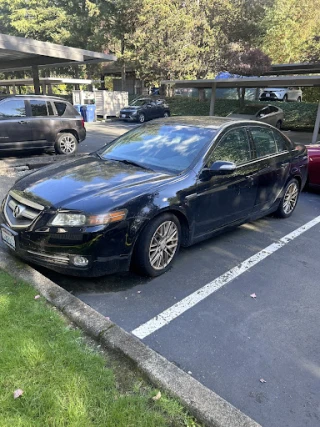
pixel 8 238
pixel 123 115
pixel 268 95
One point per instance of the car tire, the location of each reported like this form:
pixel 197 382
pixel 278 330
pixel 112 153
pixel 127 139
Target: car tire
pixel 289 199
pixel 66 143
pixel 279 124
pixel 285 98
pixel 154 253
pixel 141 118
pixel 166 114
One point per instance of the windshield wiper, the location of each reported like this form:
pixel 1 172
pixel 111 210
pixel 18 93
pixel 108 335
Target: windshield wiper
pixel 131 162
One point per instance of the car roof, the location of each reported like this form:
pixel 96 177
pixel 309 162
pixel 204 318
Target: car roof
pixel 211 122
pixel 52 97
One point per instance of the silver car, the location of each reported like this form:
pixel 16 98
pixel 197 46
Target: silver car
pixel 282 94
pixel 268 114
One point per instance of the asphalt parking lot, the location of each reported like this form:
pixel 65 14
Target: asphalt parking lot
pixel 202 315
pixel 229 341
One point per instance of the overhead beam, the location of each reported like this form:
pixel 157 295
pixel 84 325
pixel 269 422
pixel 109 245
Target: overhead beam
pixel 29 62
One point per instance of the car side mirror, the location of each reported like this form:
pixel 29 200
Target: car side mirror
pixel 221 167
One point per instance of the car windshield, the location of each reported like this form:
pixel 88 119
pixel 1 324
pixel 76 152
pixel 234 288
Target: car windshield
pixel 168 147
pixel 138 102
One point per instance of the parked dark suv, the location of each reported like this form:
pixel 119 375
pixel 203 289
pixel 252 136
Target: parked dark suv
pixel 39 122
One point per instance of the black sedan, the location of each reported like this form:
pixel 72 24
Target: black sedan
pixel 143 109
pixel 163 185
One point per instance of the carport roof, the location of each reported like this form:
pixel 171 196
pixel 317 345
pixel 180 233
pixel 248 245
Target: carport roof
pixel 45 80
pixel 22 53
pixel 248 82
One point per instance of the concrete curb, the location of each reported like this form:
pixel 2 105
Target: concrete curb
pixel 201 402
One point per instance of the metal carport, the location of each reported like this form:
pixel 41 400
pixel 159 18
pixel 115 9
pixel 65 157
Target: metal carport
pixel 251 82
pixel 18 53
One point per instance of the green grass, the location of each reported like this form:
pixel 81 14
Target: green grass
pixel 66 380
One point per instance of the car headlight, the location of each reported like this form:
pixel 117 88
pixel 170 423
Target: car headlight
pixel 67 219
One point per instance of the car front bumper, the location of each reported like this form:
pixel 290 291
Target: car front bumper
pixel 104 252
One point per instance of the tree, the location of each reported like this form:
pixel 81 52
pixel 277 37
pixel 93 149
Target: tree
pixel 249 62
pixel 38 19
pixel 291 30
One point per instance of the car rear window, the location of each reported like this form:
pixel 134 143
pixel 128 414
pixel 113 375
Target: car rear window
pixel 282 143
pixel 60 107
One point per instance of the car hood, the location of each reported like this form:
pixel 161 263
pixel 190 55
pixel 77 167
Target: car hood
pixel 130 108
pixel 88 183
pixel 274 89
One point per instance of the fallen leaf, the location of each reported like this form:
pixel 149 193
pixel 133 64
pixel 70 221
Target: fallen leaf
pixel 17 393
pixel 189 372
pixel 37 297
pixel 139 292
pixel 157 396
pixel 262 380
pixel 253 296
pixel 108 318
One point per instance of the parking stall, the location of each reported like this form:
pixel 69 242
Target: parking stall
pixel 238 312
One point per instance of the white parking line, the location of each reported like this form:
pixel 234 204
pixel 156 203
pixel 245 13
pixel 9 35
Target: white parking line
pixel 180 307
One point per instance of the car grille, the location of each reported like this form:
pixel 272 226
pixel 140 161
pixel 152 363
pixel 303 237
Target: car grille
pixel 55 259
pixel 272 95
pixel 21 212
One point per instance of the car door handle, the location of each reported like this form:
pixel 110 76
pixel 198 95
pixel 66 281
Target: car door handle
pixel 22 122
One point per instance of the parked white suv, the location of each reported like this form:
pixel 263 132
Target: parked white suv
pixel 281 94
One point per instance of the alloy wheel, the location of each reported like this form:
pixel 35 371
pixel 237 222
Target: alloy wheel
pixel 163 245
pixel 141 118
pixel 290 198
pixel 67 144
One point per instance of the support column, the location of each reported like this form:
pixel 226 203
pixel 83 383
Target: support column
pixel 36 80
pixel 213 99
pixel 316 126
pixel 14 89
pixel 44 91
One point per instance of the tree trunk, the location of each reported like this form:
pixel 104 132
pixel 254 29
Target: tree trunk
pixel 241 94
pixel 201 94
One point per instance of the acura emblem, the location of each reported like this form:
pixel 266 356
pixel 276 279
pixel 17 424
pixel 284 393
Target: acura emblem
pixel 17 211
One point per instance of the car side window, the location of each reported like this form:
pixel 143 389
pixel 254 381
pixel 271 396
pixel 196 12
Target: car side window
pixel 264 141
pixel 38 108
pixel 13 108
pixel 282 143
pixel 60 107
pixel 233 147
pixel 264 112
pixel 273 109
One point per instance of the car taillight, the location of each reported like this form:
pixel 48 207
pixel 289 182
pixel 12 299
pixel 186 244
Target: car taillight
pixel 82 123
